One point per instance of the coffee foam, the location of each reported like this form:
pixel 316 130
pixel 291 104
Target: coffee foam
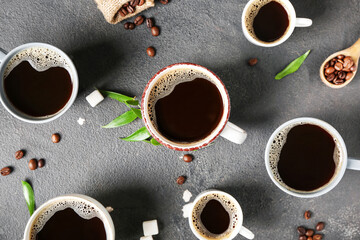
pixel 40 58
pixel 84 209
pixel 251 13
pixel 166 84
pixel 279 142
pixel 229 206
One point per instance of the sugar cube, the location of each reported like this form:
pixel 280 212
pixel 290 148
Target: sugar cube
pixel 94 98
pixel 150 228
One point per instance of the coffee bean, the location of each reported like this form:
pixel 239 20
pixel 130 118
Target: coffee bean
pixel 340 56
pixel 330 70
pixel 317 237
pixel 164 1
pixel 134 3
pixel 302 237
pixel 151 51
pixel 301 230
pixel 332 62
pixel 131 26
pixel 188 158
pixel 126 25
pixel 122 12
pixel 342 75
pixel 155 31
pixel 33 164
pixel 252 61
pixel 181 180
pixel 331 77
pixel 41 163
pixel 139 20
pixel 55 138
pixel 353 68
pixel 309 232
pixel 348 62
pixel 307 214
pixel 327 65
pixel 5 171
pixel 338 66
pixel 130 9
pixel 349 76
pixel 309 238
pixel 125 5
pixel 149 22
pixel 141 2
pixel 338 81
pixel 19 154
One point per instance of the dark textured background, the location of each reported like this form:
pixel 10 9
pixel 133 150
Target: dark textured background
pixel 138 180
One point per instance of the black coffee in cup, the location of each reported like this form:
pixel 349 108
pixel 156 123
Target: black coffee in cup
pixel 37 83
pixel 185 106
pixel 304 157
pixel 70 220
pixel 267 20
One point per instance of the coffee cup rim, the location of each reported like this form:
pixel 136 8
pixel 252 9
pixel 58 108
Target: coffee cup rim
pixel 292 21
pixel 236 231
pixel 22 116
pixel 333 183
pixel 198 144
pixel 108 225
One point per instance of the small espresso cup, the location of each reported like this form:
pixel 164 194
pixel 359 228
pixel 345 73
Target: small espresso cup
pixel 224 128
pixel 17 56
pixel 251 10
pixel 46 211
pixel 273 150
pixel 229 203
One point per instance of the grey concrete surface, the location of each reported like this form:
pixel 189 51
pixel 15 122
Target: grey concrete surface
pixel 138 180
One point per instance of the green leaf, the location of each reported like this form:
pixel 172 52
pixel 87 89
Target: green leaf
pixel 117 96
pixel 122 120
pixel 133 102
pixel 154 142
pixel 293 66
pixel 139 135
pixel 137 112
pixel 29 196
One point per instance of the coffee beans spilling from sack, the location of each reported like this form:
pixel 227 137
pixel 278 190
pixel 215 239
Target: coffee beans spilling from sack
pixel 339 69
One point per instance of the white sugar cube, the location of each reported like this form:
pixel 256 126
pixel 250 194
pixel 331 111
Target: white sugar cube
pixel 187 210
pixel 81 121
pixel 146 238
pixel 187 195
pixel 94 98
pixel 150 228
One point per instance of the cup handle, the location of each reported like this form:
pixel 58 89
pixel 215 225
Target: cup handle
pixel 303 22
pixel 246 233
pixel 233 133
pixel 353 164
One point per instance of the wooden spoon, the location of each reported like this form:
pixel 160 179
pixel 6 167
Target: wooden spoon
pixel 354 52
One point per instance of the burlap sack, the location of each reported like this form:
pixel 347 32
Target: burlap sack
pixel 110 9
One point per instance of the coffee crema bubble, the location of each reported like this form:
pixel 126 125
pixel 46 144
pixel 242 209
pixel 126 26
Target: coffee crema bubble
pixel 40 58
pixel 84 209
pixel 277 145
pixel 253 11
pixel 227 204
pixel 166 84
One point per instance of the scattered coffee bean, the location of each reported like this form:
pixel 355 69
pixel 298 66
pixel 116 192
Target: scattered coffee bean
pixel 309 232
pixel 317 237
pixel 139 20
pixel 19 154
pixel 340 66
pixel 41 163
pixel 151 51
pixel 131 25
pixel 253 61
pixel 141 2
pixel 302 237
pixel 33 164
pixel 309 238
pixel 301 230
pixel 164 1
pixel 320 226
pixel 307 215
pixel 5 171
pixel 155 31
pixel 181 180
pixel 188 158
pixel 55 138
pixel 149 22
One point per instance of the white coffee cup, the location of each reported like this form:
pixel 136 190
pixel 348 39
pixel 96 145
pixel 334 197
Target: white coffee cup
pixel 4 60
pixel 239 228
pixel 102 213
pixel 343 163
pixel 293 22
pixel 225 129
